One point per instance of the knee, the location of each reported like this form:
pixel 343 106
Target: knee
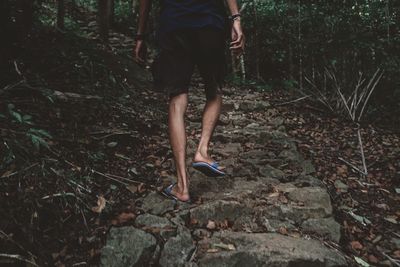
pixel 178 103
pixel 212 96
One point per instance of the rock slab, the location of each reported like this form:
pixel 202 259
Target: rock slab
pixel 127 246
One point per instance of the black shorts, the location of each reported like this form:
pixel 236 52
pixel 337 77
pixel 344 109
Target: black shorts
pixel 181 51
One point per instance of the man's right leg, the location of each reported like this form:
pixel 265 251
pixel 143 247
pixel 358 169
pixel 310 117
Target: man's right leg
pixel 177 134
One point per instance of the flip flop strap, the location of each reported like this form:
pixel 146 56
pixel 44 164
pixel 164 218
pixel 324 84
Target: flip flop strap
pixel 215 165
pixel 169 188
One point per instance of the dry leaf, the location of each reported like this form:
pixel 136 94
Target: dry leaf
pixel 141 188
pixel 342 170
pixel 211 225
pixel 133 188
pixel 356 245
pixel 101 204
pixel 125 216
pixel 275 194
pixel 212 250
pixel 372 259
pixel 224 246
pixel 282 231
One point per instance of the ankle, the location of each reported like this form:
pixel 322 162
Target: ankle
pixel 202 150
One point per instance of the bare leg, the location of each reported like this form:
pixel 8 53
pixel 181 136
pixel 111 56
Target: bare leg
pixel 177 135
pixel 210 118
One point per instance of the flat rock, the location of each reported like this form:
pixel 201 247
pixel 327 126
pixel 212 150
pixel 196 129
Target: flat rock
pixel 308 167
pixel 323 226
pixel 254 105
pixel 341 187
pixel 312 197
pixel 156 224
pixel 177 250
pixel 271 172
pixel 269 249
pixel 218 210
pixel 156 204
pixel 127 246
pixel 291 155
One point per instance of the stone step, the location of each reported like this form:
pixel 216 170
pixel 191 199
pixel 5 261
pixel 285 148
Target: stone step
pixel 237 249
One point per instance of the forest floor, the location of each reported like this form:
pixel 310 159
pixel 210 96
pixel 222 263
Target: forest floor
pixel 85 150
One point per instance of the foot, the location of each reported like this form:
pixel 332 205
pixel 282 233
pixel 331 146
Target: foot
pixel 204 157
pixel 179 194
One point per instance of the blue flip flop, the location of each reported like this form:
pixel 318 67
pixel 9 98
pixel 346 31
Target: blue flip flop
pixel 168 193
pixel 211 170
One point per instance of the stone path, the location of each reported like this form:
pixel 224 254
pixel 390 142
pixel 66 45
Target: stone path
pixel 268 211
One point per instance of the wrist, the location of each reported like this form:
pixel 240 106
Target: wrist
pixel 140 36
pixel 235 17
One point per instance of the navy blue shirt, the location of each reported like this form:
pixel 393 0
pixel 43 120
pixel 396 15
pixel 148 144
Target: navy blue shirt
pixel 179 14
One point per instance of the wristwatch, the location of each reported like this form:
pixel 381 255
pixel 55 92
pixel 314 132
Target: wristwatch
pixel 235 17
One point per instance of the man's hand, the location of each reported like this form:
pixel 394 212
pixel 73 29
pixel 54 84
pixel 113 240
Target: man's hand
pixel 238 39
pixel 140 51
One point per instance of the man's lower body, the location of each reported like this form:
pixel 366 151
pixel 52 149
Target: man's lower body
pixel 181 52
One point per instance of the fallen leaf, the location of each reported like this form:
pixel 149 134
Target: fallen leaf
pixel 373 259
pixel 211 225
pixel 356 245
pixel 361 262
pixel 364 221
pixel 101 204
pixel 112 144
pixel 125 217
pixel 141 188
pixel 282 231
pixel 224 246
pixel 212 250
pixel 133 188
pixel 391 219
pixel 342 170
pixel 275 194
pixel 396 254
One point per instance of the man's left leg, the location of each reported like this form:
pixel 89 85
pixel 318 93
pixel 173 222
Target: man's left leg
pixel 212 66
pixel 211 114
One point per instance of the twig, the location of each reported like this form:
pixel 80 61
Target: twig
pixel 17 69
pixel 351 165
pixel 362 151
pixel 123 178
pixel 108 177
pixel 5 236
pixel 59 195
pixel 293 101
pixel 23 170
pixel 113 134
pixel 396 262
pixel 17 257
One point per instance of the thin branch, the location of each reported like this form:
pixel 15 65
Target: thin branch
pixel 294 101
pixel 362 151
pixel 18 257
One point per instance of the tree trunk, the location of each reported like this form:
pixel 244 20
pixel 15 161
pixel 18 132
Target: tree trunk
pixel 60 14
pixel 104 16
pixel 256 40
pixel 24 17
pixel 112 12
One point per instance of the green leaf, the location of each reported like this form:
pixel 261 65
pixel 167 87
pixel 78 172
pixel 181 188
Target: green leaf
pixel 38 141
pixel 361 262
pixel 16 116
pixel 40 132
pixel 27 117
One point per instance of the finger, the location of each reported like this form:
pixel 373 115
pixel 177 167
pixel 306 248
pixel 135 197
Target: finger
pixel 237 46
pixel 238 40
